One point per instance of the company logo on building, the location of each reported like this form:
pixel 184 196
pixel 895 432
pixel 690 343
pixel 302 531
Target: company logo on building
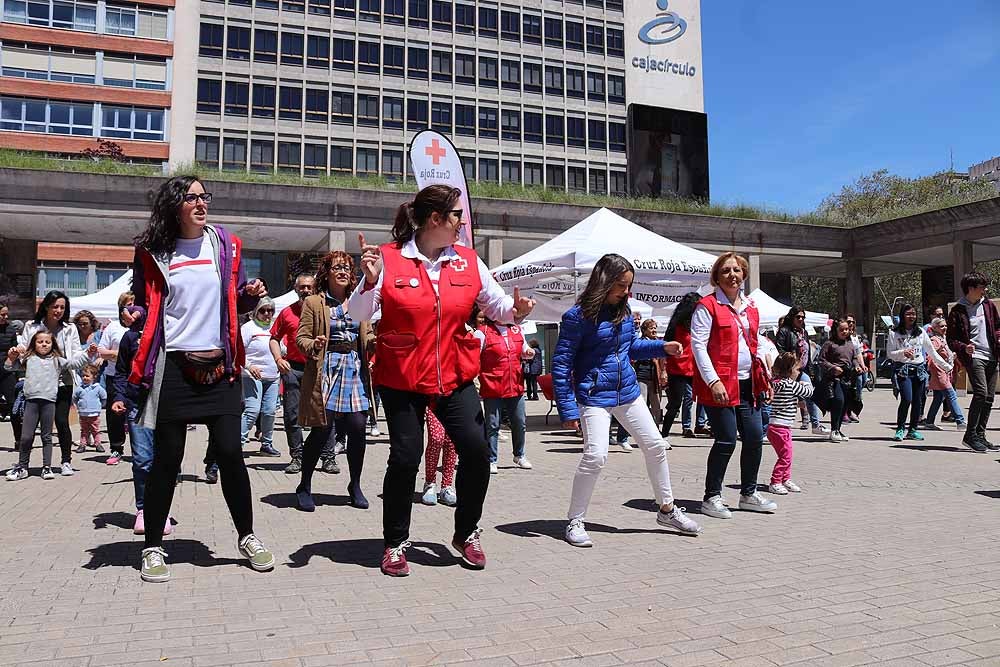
pixel 665 28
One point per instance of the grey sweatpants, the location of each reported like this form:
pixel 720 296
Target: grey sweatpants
pixel 41 413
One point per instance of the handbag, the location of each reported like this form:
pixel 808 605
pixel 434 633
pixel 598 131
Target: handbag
pixel 202 367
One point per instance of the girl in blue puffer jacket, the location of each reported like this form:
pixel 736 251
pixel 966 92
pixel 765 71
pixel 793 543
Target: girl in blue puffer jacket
pixel 593 380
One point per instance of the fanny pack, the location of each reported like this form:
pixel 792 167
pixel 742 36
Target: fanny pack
pixel 343 347
pixel 202 367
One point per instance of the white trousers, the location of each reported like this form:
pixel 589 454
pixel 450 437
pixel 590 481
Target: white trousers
pixel 596 426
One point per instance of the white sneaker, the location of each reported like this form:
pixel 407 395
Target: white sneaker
pixel 493 469
pixel 66 470
pixel 715 507
pixel 820 430
pixel 504 435
pixel 666 444
pixel 374 432
pixel 757 503
pixel 835 436
pixel 778 489
pixel 676 518
pixel 576 534
pixel 843 436
pixel 805 425
pixel 448 496
pixel 47 473
pixel 17 473
pixel 522 462
pixel 430 496
pixel 792 486
pixel 625 446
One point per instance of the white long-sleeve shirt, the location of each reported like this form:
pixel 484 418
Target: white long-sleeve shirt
pixel 701 329
pixel 496 304
pixel 897 344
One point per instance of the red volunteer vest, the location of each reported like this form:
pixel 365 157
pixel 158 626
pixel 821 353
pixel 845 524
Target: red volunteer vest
pixel 422 344
pixel 501 375
pixel 724 350
pixel 683 364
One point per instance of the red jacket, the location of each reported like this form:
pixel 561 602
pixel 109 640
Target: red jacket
pixel 285 326
pixel 683 364
pixel 501 375
pixel 423 345
pixel 724 350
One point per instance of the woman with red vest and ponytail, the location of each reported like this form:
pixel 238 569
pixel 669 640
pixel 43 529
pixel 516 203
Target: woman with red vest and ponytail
pixel 730 380
pixel 426 286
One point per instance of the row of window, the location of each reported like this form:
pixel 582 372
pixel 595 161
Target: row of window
pixel 88 16
pixel 485 121
pixel 263 156
pixel 463 18
pixel 414 62
pixel 45 63
pixel 85 119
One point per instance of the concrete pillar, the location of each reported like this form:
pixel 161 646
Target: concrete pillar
pixel 91 277
pixel 336 239
pixel 754 278
pixel 854 292
pixel 961 262
pixel 495 253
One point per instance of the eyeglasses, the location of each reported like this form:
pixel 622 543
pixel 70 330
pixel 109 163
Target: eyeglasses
pixel 850 321
pixel 340 268
pixel 192 197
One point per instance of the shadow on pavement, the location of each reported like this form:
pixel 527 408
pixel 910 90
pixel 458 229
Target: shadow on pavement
pixel 127 554
pixel 989 494
pixel 368 553
pixel 287 500
pixel 267 466
pixel 932 448
pixel 118 519
pixel 556 529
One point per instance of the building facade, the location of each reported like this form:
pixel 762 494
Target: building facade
pixel 988 170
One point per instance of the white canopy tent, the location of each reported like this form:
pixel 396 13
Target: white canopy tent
pixel 555 272
pixel 771 311
pixel 104 303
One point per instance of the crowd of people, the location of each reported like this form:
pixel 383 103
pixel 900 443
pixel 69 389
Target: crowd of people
pixel 422 333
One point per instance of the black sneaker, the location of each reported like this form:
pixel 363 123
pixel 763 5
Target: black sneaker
pixel 268 450
pixel 989 445
pixel 295 467
pixel 330 466
pixel 212 474
pixel 975 445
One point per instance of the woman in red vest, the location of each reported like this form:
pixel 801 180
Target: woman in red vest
pixel 501 384
pixel 730 380
pixel 680 368
pixel 426 286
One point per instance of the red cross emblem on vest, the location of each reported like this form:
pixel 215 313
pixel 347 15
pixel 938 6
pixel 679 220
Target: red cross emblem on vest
pixel 435 151
pixel 459 264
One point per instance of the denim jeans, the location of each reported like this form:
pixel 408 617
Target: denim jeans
pixel 812 407
pixel 493 409
pixel 724 422
pixel 260 398
pixel 949 398
pixel 700 419
pixel 290 411
pixel 911 399
pixel 141 440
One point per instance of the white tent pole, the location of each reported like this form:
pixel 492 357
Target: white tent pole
pixel 576 286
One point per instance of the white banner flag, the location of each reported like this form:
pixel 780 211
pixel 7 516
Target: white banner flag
pixel 436 160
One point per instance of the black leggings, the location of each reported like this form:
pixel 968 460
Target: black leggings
pixel 168 453
pixel 64 399
pixel 676 388
pixel 351 424
pixel 461 414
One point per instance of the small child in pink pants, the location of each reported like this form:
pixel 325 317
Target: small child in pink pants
pixel 439 445
pixel 787 393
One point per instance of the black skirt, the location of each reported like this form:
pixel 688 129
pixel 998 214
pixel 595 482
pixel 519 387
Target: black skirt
pixel 182 401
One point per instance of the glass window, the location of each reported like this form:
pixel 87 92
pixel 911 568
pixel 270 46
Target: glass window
pixel 393 11
pixel 488 22
pixel 319 7
pixel 616 42
pixel 210 40
pixel 368 57
pixel 616 137
pixel 533 127
pixel 70 118
pixel 510 25
pixel 129 123
pixel 152 24
pixel 264 4
pixel 574 35
pixel 344 8
pixel 465 68
pixel 298 6
pixel 416 114
pixel 417 63
pixel 465 19
pixel 532 28
pixel 488 122
pixel 343 54
pixel 289 157
pixel 290 103
pixel 368 110
pixel 419 13
pixel 263 101
pixel 315 159
pixel 510 74
pixel 616 88
pixel 465 119
pixel 392 60
pixel 441 15
pixel 576 131
pixel 619 183
pixel 318 51
pixel 367 164
pixel 553 32
pixel 441 116
pixel 392 112
pixel 595 38
pixel 148 124
pixel 341 161
pixel 489 170
pixel 555 129
pixel 441 66
pixel 392 165
pixel 291 48
pixel 577 179
pixel 206 151
pixel 370 10
pixel 121 21
pixel 533 173
pixel 595 86
pixel 598 181
pixel 265 46
pixel 597 134
pixel 469 167
pixel 555 177
pixel 532 77
pixel 342 108
pixel 553 81
pixel 238 43
pixel 510 124
pixel 487 72
pixel 510 171
pixel 209 95
pixel 317 105
pixel 261 156
pixel 615 5
pixel 575 85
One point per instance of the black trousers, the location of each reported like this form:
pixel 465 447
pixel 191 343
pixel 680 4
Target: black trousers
pixel 676 388
pixel 168 453
pixel 115 422
pixel 461 414
pixel 64 399
pixel 728 424
pixel 320 443
pixel 292 381
pixel 531 386
pixel 7 381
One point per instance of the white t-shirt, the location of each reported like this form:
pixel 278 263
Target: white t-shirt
pixel 257 341
pixel 192 319
pixel 111 338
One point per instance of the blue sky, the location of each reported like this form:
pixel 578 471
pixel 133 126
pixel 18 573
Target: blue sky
pixel 804 96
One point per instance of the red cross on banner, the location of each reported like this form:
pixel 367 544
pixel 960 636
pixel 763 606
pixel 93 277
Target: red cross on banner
pixel 435 151
pixel 436 160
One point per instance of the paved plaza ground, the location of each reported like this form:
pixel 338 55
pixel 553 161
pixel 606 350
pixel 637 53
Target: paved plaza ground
pixel 888 557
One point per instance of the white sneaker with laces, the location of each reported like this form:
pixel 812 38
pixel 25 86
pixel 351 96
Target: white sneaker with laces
pixel 820 429
pixel 576 534
pixel 625 446
pixel 757 503
pixel 778 489
pixel 676 518
pixel 716 508
pixel 17 473
pixel 374 432
pixel 835 436
pixel 47 473
pixel 843 436
pixel 494 469
pixel 792 486
pixel 522 462
pixel 430 496
pixel 67 470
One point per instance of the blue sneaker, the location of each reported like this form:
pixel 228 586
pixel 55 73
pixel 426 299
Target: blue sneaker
pixel 900 434
pixel 913 434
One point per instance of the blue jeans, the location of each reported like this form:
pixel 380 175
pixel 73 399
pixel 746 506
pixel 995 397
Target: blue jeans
pixel 724 422
pixel 494 409
pixel 911 399
pixel 260 398
pixel 700 419
pixel 141 440
pixel 940 396
pixel 812 407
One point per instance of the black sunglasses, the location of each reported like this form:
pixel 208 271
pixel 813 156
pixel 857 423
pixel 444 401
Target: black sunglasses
pixel 192 197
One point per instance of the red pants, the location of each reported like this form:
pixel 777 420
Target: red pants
pixel 90 430
pixel 780 438
pixel 439 443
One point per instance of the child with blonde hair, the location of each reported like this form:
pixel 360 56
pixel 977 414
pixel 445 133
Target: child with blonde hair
pixel 89 399
pixel 787 393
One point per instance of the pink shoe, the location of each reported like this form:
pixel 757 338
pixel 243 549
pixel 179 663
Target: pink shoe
pixel 168 527
pixel 114 459
pixel 140 524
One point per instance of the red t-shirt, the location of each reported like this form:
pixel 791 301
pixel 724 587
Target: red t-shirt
pixel 285 326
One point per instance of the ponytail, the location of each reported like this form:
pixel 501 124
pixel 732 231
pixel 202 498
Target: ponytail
pixel 413 215
pixel 404 226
